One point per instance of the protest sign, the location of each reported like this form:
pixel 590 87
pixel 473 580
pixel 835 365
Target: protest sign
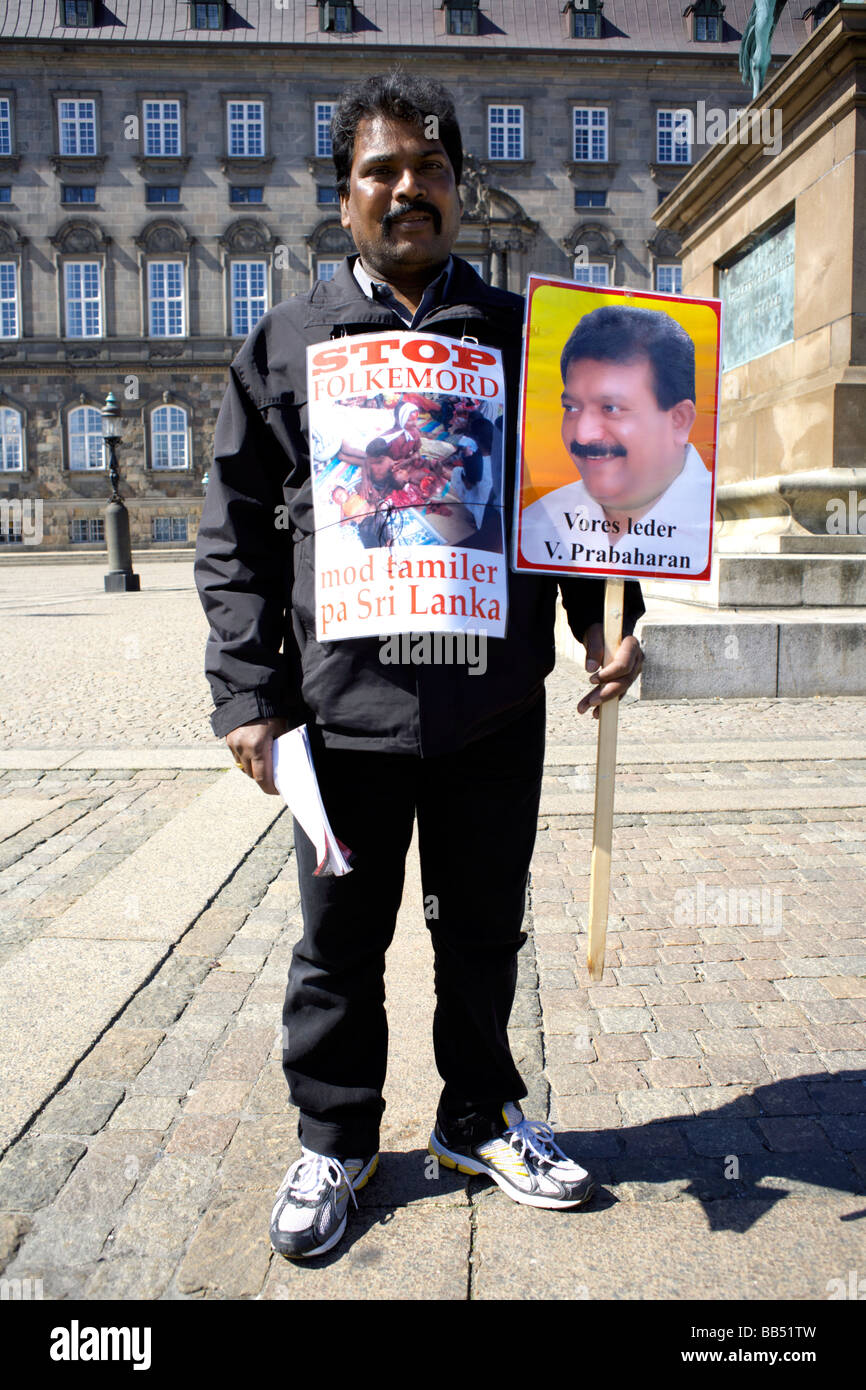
pixel 616 471
pixel 406 463
pixel 618 433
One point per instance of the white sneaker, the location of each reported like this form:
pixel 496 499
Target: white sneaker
pixel 524 1160
pixel 311 1208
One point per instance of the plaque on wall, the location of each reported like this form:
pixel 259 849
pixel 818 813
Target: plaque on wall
pixel 756 288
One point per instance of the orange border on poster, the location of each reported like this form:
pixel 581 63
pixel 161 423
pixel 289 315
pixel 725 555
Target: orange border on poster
pixel 541 387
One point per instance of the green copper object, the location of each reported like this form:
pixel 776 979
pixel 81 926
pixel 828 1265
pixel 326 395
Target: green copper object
pixel 755 45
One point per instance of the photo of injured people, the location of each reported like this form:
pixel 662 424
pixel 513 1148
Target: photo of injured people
pixel 405 468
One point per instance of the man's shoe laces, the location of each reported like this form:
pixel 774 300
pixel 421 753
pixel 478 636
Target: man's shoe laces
pixel 311 1171
pixel 537 1137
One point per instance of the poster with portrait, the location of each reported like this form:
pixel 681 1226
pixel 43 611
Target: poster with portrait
pixel 406 463
pixel 618 433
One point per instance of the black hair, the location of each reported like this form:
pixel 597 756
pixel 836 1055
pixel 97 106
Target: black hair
pixel 402 97
pixel 619 333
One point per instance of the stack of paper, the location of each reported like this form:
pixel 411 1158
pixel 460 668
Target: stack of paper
pixel 296 781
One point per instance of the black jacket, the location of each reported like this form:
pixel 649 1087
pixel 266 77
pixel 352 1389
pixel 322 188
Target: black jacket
pixel 256 579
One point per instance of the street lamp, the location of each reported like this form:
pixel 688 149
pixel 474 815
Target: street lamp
pixel 120 578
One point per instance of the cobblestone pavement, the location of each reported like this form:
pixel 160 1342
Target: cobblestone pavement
pixel 713 1080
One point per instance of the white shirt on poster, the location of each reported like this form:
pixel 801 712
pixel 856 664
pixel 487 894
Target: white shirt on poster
pixel 547 538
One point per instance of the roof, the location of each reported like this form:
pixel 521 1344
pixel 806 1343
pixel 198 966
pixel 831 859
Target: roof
pixel 522 25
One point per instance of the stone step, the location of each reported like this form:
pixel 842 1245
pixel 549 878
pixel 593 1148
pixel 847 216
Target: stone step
pixel 778 581
pixel 693 653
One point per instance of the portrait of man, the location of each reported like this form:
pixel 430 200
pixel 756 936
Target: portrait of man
pixel 640 493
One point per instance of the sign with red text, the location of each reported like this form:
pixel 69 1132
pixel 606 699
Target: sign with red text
pixel 406 464
pixel 618 433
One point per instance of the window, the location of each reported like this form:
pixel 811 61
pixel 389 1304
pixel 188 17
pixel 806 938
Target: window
pixel 11 442
pixel 162 128
pixel 590 133
pixel 77 14
pixel 590 198
pixel 592 273
pixel 325 195
pixel 207 16
pixel 479 266
pixel 5 193
pixel 335 18
pixel 86 449
pixel 169 528
pixel 165 299
pixel 505 132
pixel 246 195
pixel 169 437
pixel 672 137
pixel 78 193
pixel 586 19
pixel 87 531
pixel 706 20
pixel 246 132
pixel 326 270
pixel 249 295
pixel 8 299
pixel 669 279
pixel 83 298
pixel 324 112
pixel 162 193
pixel 77 127
pixel 462 19
pixel 5 126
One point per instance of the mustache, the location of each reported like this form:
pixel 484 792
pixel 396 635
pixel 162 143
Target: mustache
pixel 391 217
pixel 597 451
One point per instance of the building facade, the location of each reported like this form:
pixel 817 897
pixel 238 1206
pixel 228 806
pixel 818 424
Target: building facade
pixel 165 177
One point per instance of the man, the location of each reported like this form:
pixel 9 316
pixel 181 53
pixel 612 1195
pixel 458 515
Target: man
pixel 388 741
pixel 628 409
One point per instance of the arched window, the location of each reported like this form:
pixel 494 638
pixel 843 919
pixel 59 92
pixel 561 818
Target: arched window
pixel 11 441
pixel 169 437
pixel 85 438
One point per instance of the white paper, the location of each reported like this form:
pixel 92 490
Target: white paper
pixel 295 778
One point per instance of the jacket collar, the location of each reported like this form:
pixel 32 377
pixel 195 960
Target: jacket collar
pixel 342 300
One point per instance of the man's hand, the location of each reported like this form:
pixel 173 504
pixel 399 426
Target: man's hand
pixel 252 746
pixel 612 680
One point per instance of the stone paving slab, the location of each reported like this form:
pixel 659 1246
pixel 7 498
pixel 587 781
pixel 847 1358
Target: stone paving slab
pixel 774 1247
pixel 699 799
pixel 630 752
pixel 22 811
pixel 167 889
pixel 215 755
pixel 55 999
pixel 103 952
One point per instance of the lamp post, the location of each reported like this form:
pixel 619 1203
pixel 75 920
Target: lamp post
pixel 120 578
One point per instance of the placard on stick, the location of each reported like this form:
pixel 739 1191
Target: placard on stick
pixel 616 469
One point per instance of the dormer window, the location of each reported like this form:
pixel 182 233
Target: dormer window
pixel 706 20
pixel 207 16
pixel 586 18
pixel 336 18
pixel 78 14
pixel 462 17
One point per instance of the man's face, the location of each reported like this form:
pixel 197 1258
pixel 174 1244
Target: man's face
pixel 403 209
pixel 627 449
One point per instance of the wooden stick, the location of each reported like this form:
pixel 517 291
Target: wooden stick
pixel 605 772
